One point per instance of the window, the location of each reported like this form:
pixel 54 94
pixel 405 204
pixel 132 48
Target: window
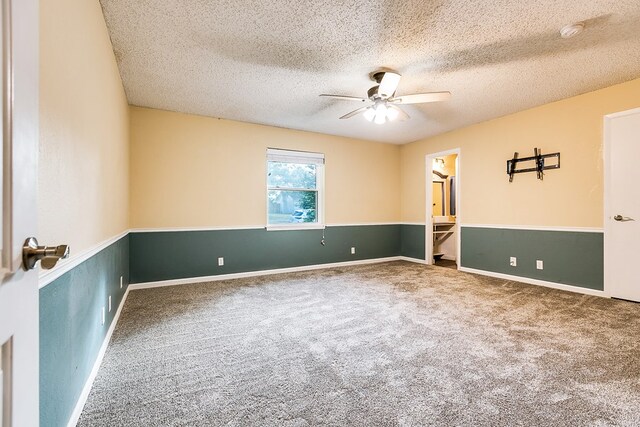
pixel 295 193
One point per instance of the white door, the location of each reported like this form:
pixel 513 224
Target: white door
pixel 18 288
pixel 622 205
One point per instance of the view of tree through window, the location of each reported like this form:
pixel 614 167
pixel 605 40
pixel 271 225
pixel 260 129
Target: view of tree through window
pixel 292 192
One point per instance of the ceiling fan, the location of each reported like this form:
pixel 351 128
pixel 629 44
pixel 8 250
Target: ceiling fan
pixel 385 102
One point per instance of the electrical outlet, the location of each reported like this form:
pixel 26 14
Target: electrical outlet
pixel 539 264
pixel 513 261
pixel 353 250
pixel 120 282
pixel 109 303
pixel 103 317
pixel 220 261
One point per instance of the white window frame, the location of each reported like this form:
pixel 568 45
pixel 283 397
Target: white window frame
pixel 302 157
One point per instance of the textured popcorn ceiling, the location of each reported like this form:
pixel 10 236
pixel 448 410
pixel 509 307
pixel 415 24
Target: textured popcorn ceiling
pixel 266 61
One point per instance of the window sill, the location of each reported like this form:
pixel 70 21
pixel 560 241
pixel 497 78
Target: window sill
pixel 293 227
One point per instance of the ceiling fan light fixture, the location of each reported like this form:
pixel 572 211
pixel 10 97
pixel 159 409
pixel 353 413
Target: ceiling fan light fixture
pixel 392 114
pixel 384 102
pixel 369 114
pixel 572 30
pixel 380 119
pixel 381 114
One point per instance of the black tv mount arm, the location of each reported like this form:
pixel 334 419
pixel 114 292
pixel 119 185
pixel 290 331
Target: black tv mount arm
pixel 539 163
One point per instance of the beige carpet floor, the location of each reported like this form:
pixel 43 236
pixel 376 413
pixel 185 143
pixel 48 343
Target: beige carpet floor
pixel 394 344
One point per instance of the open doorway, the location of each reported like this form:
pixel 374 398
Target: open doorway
pixel 442 225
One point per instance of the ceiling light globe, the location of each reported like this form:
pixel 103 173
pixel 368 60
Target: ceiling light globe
pixel 381 113
pixel 392 114
pixel 380 118
pixel 369 114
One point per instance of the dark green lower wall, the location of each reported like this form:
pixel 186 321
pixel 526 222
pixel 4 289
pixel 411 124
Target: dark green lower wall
pixel 71 332
pixel 412 239
pixel 157 256
pixel 571 258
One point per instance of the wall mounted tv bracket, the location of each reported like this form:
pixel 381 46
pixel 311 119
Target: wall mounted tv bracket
pixel 538 160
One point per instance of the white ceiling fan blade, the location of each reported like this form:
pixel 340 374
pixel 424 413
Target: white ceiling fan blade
pixel 344 98
pixel 354 113
pixel 402 116
pixel 420 98
pixel 389 84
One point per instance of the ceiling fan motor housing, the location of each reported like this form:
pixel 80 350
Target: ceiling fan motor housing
pixel 373 92
pixel 377 76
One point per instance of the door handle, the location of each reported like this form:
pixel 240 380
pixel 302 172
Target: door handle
pixel 623 218
pixel 49 255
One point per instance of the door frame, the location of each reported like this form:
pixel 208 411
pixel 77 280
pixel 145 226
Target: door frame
pixel 428 229
pixel 608 209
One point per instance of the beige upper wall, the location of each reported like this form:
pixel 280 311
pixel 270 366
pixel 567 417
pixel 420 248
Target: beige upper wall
pixel 571 196
pixel 84 131
pixel 193 171
pixel 190 171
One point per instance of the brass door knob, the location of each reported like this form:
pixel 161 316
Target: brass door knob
pixel 49 255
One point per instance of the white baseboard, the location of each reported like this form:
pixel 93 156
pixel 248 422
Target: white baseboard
pixel 421 261
pixel 544 283
pixel 201 279
pixel 409 259
pixel 77 411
